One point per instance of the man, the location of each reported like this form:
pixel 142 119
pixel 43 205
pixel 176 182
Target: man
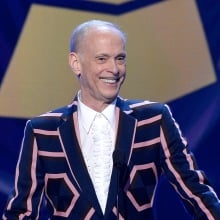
pixel 66 154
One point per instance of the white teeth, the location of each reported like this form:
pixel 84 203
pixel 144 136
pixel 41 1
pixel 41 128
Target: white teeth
pixel 109 80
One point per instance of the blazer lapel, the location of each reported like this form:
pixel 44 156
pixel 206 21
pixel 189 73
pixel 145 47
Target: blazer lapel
pixel 126 127
pixel 69 139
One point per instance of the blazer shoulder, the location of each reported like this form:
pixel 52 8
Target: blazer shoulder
pixel 142 109
pixel 53 119
pixel 146 105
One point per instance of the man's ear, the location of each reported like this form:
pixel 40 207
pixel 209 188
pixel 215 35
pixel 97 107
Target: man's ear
pixel 74 63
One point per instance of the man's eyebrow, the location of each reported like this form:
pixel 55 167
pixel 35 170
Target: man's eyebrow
pixel 102 54
pixel 121 55
pixel 108 55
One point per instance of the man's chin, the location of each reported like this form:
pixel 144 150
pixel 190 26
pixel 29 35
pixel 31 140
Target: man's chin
pixel 110 99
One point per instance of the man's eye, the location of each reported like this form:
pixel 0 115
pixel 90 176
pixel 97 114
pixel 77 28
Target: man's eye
pixel 121 59
pixel 101 59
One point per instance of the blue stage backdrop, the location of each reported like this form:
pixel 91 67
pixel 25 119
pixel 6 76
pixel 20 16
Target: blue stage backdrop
pixel 181 39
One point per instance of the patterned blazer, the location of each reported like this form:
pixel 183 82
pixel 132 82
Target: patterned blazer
pixel 51 165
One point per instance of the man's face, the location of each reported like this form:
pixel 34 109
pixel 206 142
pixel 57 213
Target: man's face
pixel 102 59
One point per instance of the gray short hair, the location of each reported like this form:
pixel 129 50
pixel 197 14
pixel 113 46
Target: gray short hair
pixel 80 31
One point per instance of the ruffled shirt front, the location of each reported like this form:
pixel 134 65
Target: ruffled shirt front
pixel 97 136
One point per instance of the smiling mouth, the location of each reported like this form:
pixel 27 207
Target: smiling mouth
pixel 110 81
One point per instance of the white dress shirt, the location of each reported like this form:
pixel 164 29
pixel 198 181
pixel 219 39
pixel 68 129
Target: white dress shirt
pixel 86 116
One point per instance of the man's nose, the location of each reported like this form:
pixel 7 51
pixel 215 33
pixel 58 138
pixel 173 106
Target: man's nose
pixel 113 66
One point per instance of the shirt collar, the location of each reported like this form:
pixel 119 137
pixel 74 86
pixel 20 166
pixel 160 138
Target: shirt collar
pixel 86 115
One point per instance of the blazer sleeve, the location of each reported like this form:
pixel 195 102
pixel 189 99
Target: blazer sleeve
pixel 27 195
pixel 180 168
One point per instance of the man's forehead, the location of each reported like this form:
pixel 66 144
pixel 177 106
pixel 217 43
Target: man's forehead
pixel 97 39
pixel 103 30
